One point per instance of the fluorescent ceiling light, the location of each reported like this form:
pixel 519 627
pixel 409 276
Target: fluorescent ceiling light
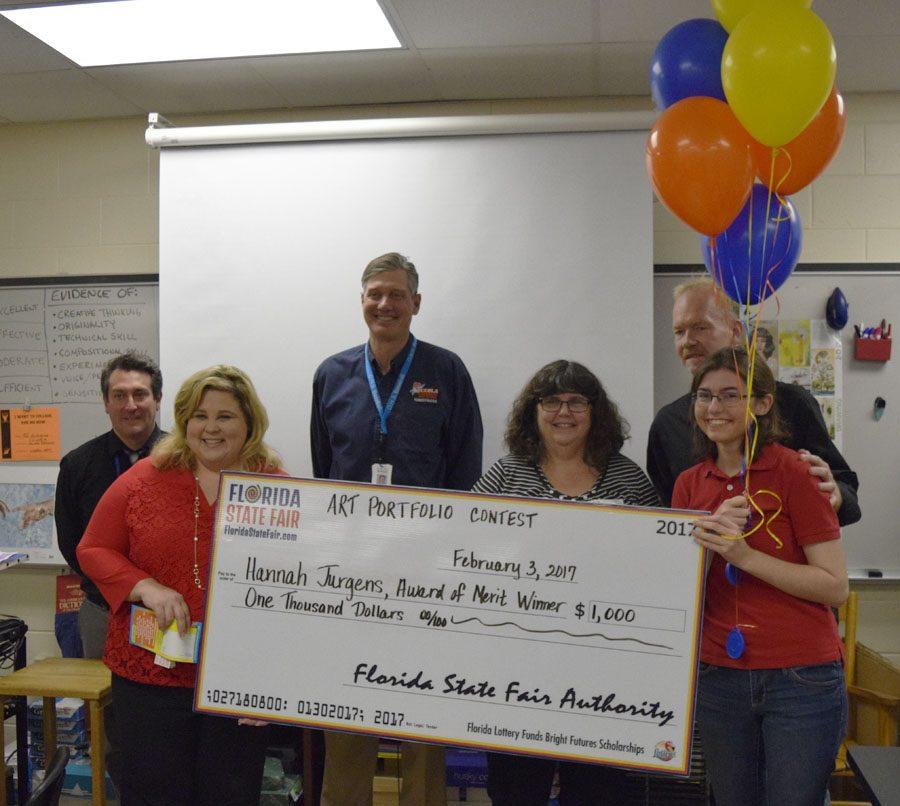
pixel 135 31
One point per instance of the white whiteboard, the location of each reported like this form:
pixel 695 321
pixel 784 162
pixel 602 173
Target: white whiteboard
pixel 56 335
pixel 530 248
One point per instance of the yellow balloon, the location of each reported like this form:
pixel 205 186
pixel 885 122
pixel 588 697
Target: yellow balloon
pixel 777 71
pixel 731 12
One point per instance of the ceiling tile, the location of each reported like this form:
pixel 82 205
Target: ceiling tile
pixel 59 95
pixel 512 72
pixel 494 23
pixel 20 52
pixel 643 20
pixel 329 79
pixel 459 50
pixel 217 85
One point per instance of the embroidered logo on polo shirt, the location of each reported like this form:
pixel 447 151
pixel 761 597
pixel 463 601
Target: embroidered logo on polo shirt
pixel 423 394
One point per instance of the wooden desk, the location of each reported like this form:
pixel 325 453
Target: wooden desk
pixel 878 769
pixel 89 680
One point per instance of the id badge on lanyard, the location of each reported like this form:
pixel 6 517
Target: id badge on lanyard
pixel 382 470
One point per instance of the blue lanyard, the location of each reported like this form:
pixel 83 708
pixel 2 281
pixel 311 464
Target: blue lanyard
pixel 385 411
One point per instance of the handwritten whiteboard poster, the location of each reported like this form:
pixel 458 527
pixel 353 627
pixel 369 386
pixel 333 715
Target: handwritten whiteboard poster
pixel 56 338
pixel 558 629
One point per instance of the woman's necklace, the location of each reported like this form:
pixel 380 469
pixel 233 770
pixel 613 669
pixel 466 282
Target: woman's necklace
pixel 196 568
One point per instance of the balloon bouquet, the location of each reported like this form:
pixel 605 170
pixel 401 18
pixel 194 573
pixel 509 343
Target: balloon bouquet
pixel 749 115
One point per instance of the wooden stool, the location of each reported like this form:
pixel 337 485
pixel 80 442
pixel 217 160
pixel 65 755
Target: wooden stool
pixel 88 680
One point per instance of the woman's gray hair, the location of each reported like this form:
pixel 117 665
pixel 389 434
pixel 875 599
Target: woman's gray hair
pixel 392 261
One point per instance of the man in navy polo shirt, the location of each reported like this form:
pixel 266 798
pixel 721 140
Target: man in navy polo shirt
pixel 392 411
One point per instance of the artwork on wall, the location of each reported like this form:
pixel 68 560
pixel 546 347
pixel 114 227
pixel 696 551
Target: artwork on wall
pixel 26 516
pixel 807 352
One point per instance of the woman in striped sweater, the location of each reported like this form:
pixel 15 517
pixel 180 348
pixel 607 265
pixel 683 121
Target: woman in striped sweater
pixel 564 435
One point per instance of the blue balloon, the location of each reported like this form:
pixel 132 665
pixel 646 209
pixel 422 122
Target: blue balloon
pixel 688 62
pixel 756 254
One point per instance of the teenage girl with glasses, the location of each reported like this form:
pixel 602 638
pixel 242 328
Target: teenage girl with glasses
pixel 772 704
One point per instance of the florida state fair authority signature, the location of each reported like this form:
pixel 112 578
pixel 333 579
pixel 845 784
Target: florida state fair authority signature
pixel 512 692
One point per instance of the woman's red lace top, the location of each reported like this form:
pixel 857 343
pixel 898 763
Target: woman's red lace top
pixel 144 527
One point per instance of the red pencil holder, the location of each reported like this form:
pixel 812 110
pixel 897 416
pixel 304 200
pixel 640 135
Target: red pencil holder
pixel 873 349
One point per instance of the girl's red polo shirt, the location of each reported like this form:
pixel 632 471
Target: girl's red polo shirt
pixel 780 630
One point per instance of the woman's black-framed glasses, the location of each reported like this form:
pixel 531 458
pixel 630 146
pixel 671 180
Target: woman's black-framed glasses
pixel 728 398
pixel 576 405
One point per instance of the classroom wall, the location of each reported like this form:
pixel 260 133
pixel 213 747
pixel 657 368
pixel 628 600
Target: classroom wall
pixel 81 198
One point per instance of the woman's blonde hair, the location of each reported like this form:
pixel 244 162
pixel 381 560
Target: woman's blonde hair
pixel 173 451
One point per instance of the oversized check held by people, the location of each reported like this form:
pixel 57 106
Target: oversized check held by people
pixel 559 629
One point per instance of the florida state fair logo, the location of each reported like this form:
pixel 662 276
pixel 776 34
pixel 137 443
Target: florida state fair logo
pixel 664 751
pixel 252 493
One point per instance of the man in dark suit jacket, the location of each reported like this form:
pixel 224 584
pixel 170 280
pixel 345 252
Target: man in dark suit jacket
pixel 131 385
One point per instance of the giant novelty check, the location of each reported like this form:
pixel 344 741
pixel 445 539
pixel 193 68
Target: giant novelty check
pixel 558 629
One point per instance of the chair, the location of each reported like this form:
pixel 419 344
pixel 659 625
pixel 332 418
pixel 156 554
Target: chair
pixel 48 791
pixel 880 695
pixel 888 706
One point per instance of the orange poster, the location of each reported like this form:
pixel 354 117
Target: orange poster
pixel 28 435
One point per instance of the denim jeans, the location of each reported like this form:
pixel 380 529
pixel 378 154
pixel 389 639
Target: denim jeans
pixel 770 736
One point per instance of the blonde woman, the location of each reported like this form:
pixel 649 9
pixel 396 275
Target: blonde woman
pixel 148 543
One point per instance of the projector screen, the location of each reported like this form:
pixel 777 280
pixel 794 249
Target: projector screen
pixel 529 247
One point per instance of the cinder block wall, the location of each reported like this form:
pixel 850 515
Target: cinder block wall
pixel 850 214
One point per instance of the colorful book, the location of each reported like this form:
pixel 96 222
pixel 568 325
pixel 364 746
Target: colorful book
pixel 145 632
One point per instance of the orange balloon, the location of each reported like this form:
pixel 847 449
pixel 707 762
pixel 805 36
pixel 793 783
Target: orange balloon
pixel 808 154
pixel 698 159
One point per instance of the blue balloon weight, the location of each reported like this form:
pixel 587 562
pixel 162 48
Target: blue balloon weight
pixel 688 62
pixel 751 263
pixel 735 643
